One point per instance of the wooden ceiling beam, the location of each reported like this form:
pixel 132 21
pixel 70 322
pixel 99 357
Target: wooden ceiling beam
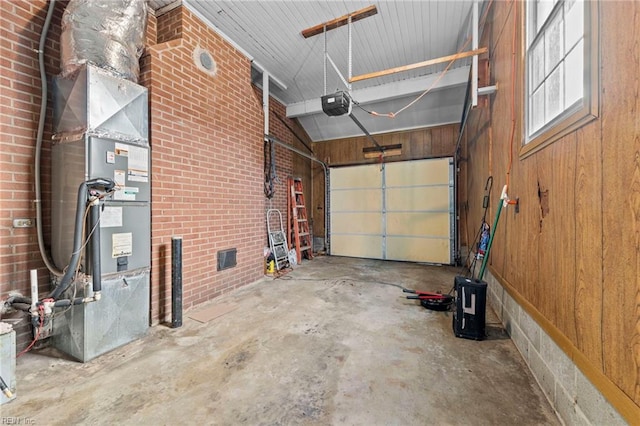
pixel 418 65
pixel 338 22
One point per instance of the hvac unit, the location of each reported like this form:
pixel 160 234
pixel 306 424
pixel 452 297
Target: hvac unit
pixel 7 362
pixel 101 131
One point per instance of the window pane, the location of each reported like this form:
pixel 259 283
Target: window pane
pixel 537 65
pixel 537 110
pixel 554 48
pixel 543 9
pixel 574 75
pixel 574 23
pixel 557 92
pixel 554 94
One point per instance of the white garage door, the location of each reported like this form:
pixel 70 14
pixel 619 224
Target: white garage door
pixel 399 211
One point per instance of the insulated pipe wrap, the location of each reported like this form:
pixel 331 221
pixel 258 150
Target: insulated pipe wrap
pixel 108 34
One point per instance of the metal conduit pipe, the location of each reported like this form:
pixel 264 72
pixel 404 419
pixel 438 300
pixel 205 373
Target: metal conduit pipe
pixel 43 110
pixel 326 174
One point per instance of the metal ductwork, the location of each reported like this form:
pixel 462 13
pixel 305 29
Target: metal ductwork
pixel 108 34
pixel 101 131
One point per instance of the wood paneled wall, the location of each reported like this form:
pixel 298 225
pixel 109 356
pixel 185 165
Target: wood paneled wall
pixel 416 144
pixel 571 256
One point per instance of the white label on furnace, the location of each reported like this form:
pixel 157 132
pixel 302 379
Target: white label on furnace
pixel 122 245
pixel 138 164
pixel 111 217
pixel 119 177
pixel 127 193
pixel 111 157
pixel 122 149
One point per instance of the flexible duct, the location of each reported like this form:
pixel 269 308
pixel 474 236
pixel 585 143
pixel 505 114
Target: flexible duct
pixel 108 34
pixel 77 243
pixel 83 197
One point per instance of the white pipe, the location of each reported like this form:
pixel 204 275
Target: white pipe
pixel 265 100
pixel 349 71
pixel 34 290
pixel 325 60
pixel 474 46
pixel 262 69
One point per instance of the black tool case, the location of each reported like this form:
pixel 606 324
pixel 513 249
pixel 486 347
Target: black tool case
pixel 471 303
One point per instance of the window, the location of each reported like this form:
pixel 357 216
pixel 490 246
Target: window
pixel 561 69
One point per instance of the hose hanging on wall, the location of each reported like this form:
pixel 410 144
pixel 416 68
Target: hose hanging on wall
pixel 481 240
pixel 269 169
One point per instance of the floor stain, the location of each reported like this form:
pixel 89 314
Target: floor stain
pixel 333 343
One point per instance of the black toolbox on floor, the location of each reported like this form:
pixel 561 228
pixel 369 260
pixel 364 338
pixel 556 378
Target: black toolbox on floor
pixel 471 302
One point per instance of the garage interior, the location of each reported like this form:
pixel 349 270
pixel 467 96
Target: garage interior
pixel 230 203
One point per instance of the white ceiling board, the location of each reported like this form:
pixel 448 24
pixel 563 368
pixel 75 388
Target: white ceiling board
pixel 441 107
pixel 401 33
pixel 389 91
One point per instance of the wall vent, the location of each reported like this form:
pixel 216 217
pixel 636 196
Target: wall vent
pixel 204 61
pixel 226 259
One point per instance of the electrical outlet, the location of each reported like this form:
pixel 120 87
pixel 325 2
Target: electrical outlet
pixel 23 223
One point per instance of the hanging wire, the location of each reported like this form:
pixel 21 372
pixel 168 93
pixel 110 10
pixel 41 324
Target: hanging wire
pixel 437 80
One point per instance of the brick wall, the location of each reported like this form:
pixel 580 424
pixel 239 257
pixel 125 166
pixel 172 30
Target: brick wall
pixel 20 26
pixel 207 163
pixel 288 163
pixel 284 157
pixel 170 26
pixel 207 156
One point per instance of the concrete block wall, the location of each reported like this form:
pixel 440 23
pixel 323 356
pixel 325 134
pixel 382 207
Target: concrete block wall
pixel 576 400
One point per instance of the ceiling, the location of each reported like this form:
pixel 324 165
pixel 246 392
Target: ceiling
pixel 401 33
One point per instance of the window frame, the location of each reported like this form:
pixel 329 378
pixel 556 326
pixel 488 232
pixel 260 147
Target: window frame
pixel 580 114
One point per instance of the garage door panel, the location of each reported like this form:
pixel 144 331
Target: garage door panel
pixel 402 212
pixel 426 225
pixel 368 176
pixel 356 223
pixel 426 198
pixel 418 249
pixel 425 172
pixel 366 246
pixel 363 200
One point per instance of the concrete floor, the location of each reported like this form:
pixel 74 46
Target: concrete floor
pixel 325 344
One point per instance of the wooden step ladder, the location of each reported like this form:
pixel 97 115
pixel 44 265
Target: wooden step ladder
pixel 301 238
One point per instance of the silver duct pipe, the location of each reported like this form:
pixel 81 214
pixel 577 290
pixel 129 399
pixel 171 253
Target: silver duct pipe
pixel 108 34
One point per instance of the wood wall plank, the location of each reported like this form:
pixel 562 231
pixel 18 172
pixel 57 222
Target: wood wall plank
pixel 621 194
pixel 547 249
pixel 588 226
pixel 572 254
